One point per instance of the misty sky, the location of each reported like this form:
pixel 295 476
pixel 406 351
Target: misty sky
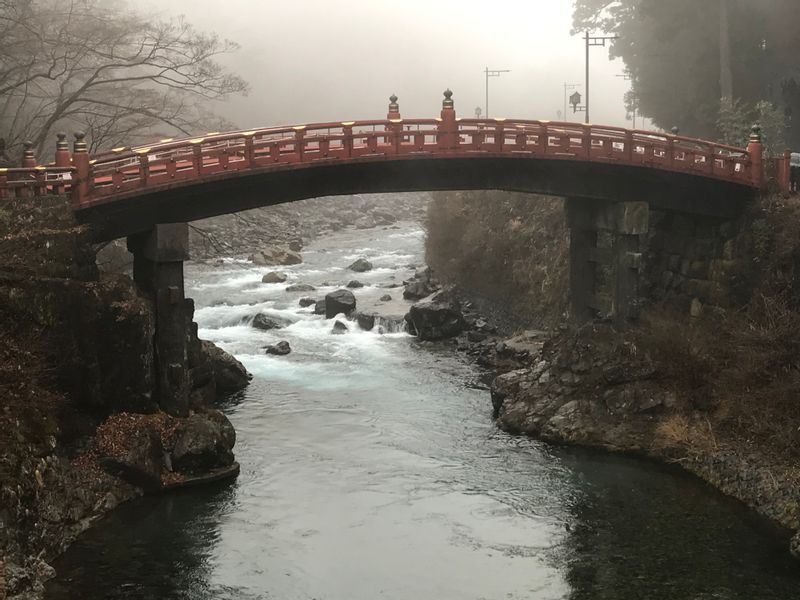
pixel 326 60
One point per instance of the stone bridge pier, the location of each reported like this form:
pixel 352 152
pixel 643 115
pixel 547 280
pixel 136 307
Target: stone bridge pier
pixel 607 241
pixel 158 257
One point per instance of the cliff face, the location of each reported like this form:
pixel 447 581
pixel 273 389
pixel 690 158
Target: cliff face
pixel 76 368
pixel 707 380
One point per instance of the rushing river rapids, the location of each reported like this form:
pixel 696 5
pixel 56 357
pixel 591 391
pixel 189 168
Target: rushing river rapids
pixel 371 469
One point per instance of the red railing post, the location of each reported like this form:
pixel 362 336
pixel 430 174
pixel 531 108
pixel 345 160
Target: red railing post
pixel 785 173
pixel 80 160
pixel 629 146
pixel 249 152
pixel 299 141
pixel 447 129
pixel 62 159
pixel 755 150
pixel 197 157
pixel 347 138
pixel 28 157
pixel 586 140
pixel 393 116
pixel 499 134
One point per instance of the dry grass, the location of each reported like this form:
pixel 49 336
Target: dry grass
pixel 740 369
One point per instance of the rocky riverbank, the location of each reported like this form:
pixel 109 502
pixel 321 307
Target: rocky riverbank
pixel 80 431
pixel 713 393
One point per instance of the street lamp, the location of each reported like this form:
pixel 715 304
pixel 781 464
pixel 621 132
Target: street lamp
pixel 594 41
pixel 569 86
pixel 492 73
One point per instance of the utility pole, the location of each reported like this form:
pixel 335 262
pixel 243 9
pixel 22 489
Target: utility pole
pixel 492 73
pixel 594 41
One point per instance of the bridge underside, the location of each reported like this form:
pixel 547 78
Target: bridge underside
pixel 233 192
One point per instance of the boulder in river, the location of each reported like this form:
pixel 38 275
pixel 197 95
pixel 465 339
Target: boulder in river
pixel 416 290
pixel 262 321
pixel 365 222
pixel 202 444
pixel 436 317
pixel 319 307
pixel 386 298
pixel 365 321
pixel 383 217
pixel 275 256
pixel 304 302
pixel 339 301
pixel 229 374
pixel 300 287
pixel 274 277
pixel 354 284
pixel 282 348
pixel 339 328
pixel 362 265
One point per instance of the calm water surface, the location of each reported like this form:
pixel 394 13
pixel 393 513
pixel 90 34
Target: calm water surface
pixel 371 469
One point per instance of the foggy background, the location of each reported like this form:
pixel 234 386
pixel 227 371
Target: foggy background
pixel 329 60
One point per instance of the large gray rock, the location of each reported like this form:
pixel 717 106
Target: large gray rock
pixel 274 277
pixel 416 290
pixel 436 317
pixel 365 222
pixel 362 265
pixel 202 444
pixel 265 322
pixel 229 374
pixel 339 301
pixel 365 321
pixel 339 328
pixel 304 302
pixel 276 256
pixel 503 386
pixel 282 348
pixel 383 217
pixel 226 427
pixel 300 287
pixel 794 546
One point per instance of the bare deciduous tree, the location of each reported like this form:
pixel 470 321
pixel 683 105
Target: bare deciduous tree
pixel 97 65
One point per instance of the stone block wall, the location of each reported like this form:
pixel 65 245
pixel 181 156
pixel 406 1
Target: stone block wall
pixel 691 261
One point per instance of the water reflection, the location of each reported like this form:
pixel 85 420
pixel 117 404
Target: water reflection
pixel 151 562
pixel 641 530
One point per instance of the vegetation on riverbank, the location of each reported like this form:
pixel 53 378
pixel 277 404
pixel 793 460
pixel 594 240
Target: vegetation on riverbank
pixel 509 248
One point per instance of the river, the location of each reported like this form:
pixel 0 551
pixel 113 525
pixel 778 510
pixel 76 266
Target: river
pixel 371 469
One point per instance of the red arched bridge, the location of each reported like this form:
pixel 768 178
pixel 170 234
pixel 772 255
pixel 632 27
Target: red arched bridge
pixel 129 189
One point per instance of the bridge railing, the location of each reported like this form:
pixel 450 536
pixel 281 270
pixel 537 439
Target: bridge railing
pixel 24 182
pixel 170 162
